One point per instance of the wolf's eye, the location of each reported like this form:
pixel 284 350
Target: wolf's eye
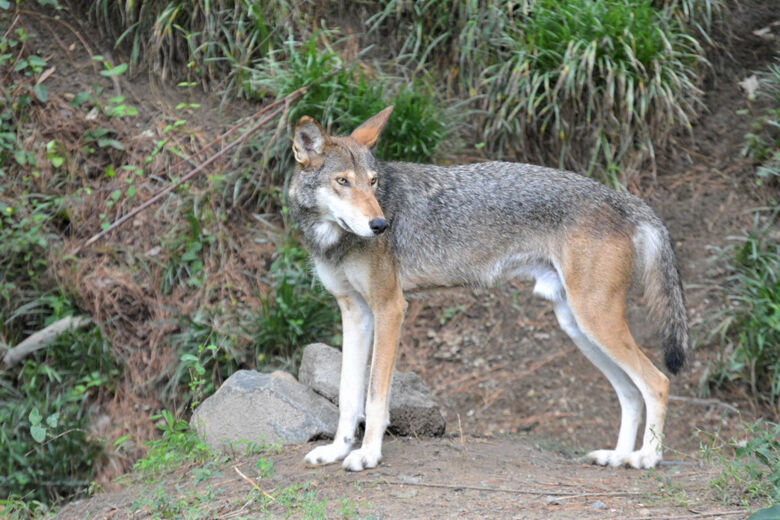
pixel 372 181
pixel 342 180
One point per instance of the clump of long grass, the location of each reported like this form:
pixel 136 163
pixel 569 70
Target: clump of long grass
pixel 451 38
pixel 212 42
pixel 592 86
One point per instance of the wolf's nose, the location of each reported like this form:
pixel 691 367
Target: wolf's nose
pixel 378 225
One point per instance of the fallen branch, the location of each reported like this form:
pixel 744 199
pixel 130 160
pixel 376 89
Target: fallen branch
pixel 561 494
pixel 43 338
pixel 696 514
pixel 705 402
pixel 277 109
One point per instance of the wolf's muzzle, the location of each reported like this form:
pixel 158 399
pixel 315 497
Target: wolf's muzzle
pixel 378 225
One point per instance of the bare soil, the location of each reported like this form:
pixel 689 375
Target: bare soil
pixel 499 477
pixel 522 404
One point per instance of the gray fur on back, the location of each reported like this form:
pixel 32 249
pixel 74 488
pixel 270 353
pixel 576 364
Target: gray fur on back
pixel 472 221
pixel 466 224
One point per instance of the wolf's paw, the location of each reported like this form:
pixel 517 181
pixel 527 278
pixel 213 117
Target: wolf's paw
pixel 327 454
pixel 642 459
pixel 606 457
pixel 362 459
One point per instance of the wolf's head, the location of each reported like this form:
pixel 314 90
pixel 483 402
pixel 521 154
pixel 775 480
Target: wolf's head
pixel 341 178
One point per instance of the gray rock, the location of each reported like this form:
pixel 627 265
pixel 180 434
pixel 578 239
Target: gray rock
pixel 598 504
pixel 256 407
pixel 321 369
pixel 412 409
pixel 281 374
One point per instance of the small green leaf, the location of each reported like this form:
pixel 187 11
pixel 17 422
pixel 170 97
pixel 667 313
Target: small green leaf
pixel 116 194
pixel 36 61
pixel 56 161
pixel 41 92
pixel 189 358
pixel 104 225
pixel 52 420
pixel 80 98
pixel 113 143
pixel 38 433
pixel 21 157
pixel 35 416
pixel 769 513
pixel 5 4
pixel 115 71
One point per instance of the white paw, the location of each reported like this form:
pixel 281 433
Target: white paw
pixel 362 459
pixel 642 459
pixel 327 454
pixel 607 457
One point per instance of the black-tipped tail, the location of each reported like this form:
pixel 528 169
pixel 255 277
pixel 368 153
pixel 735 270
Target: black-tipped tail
pixel 663 287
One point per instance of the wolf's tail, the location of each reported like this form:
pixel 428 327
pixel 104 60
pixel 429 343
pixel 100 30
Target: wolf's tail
pixel 663 289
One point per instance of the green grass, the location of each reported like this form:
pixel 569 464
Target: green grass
pixel 45 401
pixel 762 144
pixel 749 466
pixel 749 329
pixel 296 312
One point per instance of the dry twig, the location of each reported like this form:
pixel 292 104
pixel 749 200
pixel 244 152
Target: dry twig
pixel 254 484
pixel 561 494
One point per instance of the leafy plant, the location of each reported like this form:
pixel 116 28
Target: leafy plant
pixel 185 265
pixel 295 312
pixel 176 446
pixel 44 415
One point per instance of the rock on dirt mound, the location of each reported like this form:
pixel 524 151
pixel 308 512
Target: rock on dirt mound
pixel 256 407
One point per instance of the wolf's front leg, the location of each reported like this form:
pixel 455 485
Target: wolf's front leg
pixel 357 323
pixel 388 315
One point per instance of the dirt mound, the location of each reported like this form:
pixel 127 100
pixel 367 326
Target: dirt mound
pixel 510 477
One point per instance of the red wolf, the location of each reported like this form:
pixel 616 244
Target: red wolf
pixel 376 229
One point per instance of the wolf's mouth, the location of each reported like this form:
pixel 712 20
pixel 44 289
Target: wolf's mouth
pixel 344 226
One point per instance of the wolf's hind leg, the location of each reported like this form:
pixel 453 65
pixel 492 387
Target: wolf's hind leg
pixel 357 322
pixel 610 331
pixel 628 394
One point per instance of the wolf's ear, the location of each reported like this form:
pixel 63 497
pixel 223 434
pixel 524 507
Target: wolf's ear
pixel 368 133
pixel 309 141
